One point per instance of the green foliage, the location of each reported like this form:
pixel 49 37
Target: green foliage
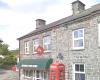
pixel 9 60
pixel 9 56
pixel 4 49
pixel 1 61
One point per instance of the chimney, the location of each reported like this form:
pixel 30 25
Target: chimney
pixel 40 23
pixel 77 7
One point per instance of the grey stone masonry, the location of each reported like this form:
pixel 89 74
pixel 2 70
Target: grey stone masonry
pixel 62 42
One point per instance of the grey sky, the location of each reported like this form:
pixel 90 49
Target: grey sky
pixel 17 17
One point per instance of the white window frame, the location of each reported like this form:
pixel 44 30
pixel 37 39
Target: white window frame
pixel 26 45
pixel 34 74
pixel 77 71
pixel 98 34
pixel 81 47
pixel 35 45
pixel 47 43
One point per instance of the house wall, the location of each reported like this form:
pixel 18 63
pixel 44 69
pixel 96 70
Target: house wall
pixel 30 39
pixel 61 42
pixel 90 55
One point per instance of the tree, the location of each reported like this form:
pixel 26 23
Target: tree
pixel 4 49
pixel 9 60
pixel 9 56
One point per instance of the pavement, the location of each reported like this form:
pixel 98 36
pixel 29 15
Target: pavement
pixel 8 75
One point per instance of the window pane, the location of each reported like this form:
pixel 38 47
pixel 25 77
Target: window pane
pixel 26 73
pixel 47 43
pixel 82 68
pixel 49 46
pixel 35 44
pixel 46 40
pixel 82 76
pixel 76 43
pixel 80 33
pixel 76 67
pixel 38 74
pixel 80 43
pixel 31 73
pixel 75 34
pixel 77 76
pixel 26 47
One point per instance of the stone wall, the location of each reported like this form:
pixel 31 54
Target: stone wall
pixel 61 40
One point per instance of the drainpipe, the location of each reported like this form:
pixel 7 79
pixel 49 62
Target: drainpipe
pixel 19 59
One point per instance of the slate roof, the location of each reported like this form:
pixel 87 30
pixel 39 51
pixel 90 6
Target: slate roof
pixel 88 12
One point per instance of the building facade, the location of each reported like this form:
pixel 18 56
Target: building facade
pixel 75 38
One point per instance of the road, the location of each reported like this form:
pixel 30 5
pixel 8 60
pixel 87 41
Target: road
pixel 8 75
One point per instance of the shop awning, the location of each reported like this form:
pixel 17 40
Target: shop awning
pixel 35 63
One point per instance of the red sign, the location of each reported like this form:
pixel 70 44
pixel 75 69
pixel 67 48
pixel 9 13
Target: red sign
pixel 40 50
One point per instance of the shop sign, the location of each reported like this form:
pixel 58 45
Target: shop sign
pixel 29 65
pixel 40 50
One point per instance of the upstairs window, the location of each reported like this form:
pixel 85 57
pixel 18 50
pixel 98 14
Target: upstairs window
pixel 47 43
pixel 35 45
pixel 27 47
pixel 79 72
pixel 78 39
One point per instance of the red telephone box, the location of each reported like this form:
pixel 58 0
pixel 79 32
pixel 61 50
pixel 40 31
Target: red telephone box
pixel 57 71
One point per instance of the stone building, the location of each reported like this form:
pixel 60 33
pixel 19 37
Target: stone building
pixel 75 38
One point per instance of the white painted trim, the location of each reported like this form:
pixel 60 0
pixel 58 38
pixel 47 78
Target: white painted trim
pixel 47 51
pixel 46 43
pixel 77 48
pixel 26 42
pixel 35 45
pixel 77 71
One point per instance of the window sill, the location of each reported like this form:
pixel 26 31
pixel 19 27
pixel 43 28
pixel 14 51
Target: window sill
pixel 77 49
pixel 47 51
pixel 26 77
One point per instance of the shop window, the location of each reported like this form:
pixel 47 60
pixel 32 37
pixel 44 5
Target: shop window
pixel 27 73
pixel 30 73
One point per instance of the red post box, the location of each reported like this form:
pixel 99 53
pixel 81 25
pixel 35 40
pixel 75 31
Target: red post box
pixel 57 71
